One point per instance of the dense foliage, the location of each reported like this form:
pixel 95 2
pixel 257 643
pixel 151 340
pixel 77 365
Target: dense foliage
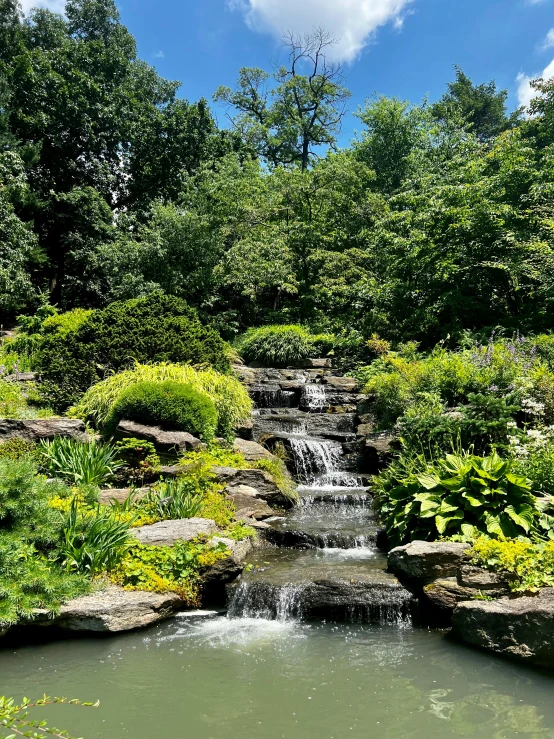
pixel 171 405
pixel 459 495
pixel 154 329
pixel 525 565
pixel 230 398
pixel 279 346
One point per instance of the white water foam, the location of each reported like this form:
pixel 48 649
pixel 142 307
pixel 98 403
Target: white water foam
pixel 237 632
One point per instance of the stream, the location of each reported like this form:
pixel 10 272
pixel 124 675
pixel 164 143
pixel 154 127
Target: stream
pixel 317 641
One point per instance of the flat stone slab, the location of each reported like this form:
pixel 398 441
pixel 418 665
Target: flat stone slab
pixel 346 384
pixel 119 495
pixel 166 533
pixel 42 428
pixel 260 480
pixel 164 441
pixel 113 610
pixel 251 450
pixel 520 628
pixel 424 560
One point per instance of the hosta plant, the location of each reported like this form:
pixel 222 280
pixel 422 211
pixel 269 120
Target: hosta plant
pixel 460 495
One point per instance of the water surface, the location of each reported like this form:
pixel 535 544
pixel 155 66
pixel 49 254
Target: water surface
pixel 256 679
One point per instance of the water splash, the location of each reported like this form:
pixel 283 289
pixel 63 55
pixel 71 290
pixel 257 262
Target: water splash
pixel 314 458
pixel 313 398
pixel 261 600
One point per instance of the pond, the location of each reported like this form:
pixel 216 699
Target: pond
pixel 246 678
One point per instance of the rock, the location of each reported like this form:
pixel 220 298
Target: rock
pixel 251 450
pixel 426 560
pixel 258 479
pixel 365 429
pixel 376 452
pixel 296 384
pixel 22 377
pixel 109 495
pixel 248 504
pixel 439 600
pixel 474 577
pixel 166 533
pixel 321 363
pixel 345 384
pixel 42 428
pixel 112 610
pixel 521 628
pixel 244 431
pixel 225 570
pixel 164 441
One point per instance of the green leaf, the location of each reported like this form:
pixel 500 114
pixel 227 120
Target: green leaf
pixel 469 531
pixel 443 521
pixel 494 526
pixel 429 482
pixel 523 516
pixel 473 500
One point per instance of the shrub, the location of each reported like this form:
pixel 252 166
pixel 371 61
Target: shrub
pixel 230 397
pixel 16 448
pixel 25 508
pixel 157 328
pixel 276 346
pixel 81 462
pixel 171 405
pixel 174 569
pixel 459 495
pixel 93 540
pixel 528 566
pixel 12 401
pixel 139 457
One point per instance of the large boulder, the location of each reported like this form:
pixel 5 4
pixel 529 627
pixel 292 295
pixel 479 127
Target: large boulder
pixel 260 480
pixel 248 504
pixel 166 533
pixel 39 429
pixel 521 628
pixel 344 384
pixel 166 442
pixel 112 610
pixel 251 450
pixel 426 560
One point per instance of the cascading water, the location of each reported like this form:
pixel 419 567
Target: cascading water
pixel 325 564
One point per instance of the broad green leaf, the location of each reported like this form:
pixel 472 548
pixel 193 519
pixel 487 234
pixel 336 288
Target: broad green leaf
pixel 469 531
pixel 429 482
pixel 474 500
pixel 443 521
pixel 494 526
pixel 523 516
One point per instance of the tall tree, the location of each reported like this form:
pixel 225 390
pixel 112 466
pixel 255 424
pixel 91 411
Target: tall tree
pixel 481 107
pixel 303 111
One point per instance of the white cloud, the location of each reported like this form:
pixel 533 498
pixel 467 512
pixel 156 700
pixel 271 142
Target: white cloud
pixel 159 55
pixel 548 42
pixel 352 22
pixel 56 6
pixel 525 92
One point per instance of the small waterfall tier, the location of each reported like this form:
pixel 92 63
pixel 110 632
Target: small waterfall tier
pixel 323 561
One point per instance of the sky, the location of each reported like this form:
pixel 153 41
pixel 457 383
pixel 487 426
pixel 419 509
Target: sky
pixel 401 48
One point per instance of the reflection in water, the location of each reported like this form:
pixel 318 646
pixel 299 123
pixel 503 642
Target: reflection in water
pixel 255 679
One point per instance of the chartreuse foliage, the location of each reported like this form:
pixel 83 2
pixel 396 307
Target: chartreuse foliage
pixel 528 566
pixel 174 569
pixel 170 404
pixel 229 396
pixel 459 495
pixel 279 346
pixel 157 328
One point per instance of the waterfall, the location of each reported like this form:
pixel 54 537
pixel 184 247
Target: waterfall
pixel 313 398
pixel 313 458
pixel 266 600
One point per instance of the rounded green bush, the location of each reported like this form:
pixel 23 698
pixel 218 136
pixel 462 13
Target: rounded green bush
pixel 158 328
pixel 276 346
pixel 172 405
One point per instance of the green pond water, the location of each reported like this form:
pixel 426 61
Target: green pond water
pixel 255 679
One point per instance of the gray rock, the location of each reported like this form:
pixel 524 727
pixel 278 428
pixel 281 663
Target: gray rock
pixel 425 560
pixel 251 450
pixel 244 431
pixel 224 571
pixel 258 479
pixel 445 593
pixel 474 577
pixel 247 503
pixel 365 429
pixel 42 428
pixel 521 628
pixel 112 610
pixel 164 441
pixel 345 384
pixel 166 533
pixel 376 452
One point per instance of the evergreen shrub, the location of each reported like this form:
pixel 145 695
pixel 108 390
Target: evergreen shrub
pixel 157 328
pixel 171 405
pixel 279 346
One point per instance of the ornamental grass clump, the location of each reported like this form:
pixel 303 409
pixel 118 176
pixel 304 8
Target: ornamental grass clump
pixel 460 495
pixel 229 396
pixel 277 346
pixel 171 405
pixel 80 462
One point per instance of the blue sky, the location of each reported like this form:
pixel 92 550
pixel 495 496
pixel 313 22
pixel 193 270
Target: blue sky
pixel 404 48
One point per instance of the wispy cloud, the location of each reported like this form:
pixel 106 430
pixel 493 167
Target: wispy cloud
pixel 525 92
pixel 56 6
pixel 548 42
pixel 352 22
pixel 159 55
